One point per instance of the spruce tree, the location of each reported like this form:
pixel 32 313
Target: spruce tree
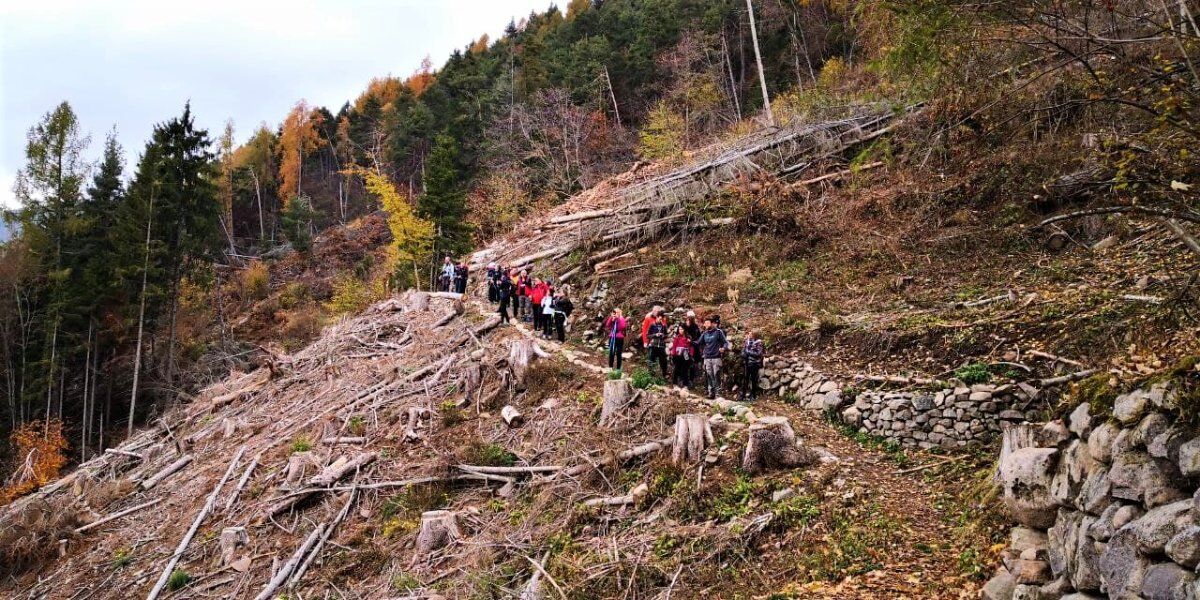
pixel 444 202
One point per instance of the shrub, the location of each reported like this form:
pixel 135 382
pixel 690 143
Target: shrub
pixel 255 280
pixel 615 374
pixel 122 558
pixel 350 295
pixel 734 500
pixel 973 373
pixel 451 414
pixel 643 379
pixel 40 450
pixel 490 455
pixel 301 444
pixel 178 580
pixel 293 294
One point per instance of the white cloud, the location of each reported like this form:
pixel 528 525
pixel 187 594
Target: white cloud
pixel 133 63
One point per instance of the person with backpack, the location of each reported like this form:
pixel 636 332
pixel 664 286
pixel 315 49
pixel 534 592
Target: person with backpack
pixel 753 354
pixel 656 345
pixel 713 345
pixel 492 281
pixel 548 313
pixel 614 329
pixel 681 358
pixel 504 291
pixel 562 310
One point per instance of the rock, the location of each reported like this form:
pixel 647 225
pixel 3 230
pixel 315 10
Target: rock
pixel 922 402
pixel 1167 444
pixel 1064 541
pixel 1130 408
pixel 1150 427
pixel 1086 576
pixel 1122 566
pixel 1139 477
pixel 1054 434
pixel 1094 494
pixel 1184 548
pixel 1074 464
pixel 1055 589
pixel 826 387
pixel 1081 596
pixel 1154 529
pixel 1113 518
pixel 979 397
pixel 1012 415
pixel 1080 420
pixel 1162 396
pixel 999 587
pixel 1167 581
pixel 832 400
pixel 1189 458
pixel 1100 442
pixel 1027 592
pixel 852 416
pixel 1032 572
pixel 1024 538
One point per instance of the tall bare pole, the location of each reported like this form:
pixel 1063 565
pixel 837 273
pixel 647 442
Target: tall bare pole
pixel 613 94
pixel 762 79
pixel 137 349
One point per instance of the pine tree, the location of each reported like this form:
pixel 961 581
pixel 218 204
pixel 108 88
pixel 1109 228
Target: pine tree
pixel 444 202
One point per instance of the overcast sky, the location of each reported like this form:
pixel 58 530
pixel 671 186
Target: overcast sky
pixel 133 63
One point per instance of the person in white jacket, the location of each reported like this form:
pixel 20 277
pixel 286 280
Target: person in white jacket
pixel 547 315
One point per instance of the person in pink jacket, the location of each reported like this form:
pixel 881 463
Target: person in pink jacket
pixel 614 328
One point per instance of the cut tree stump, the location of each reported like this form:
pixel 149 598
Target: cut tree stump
pixel 773 444
pixel 692 435
pixel 231 539
pixel 512 417
pixel 618 394
pixel 439 528
pixel 418 301
pixel 521 355
pixel 323 480
pixel 413 422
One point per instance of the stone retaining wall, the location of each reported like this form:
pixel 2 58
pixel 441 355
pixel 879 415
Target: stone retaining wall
pixel 949 417
pixel 1106 504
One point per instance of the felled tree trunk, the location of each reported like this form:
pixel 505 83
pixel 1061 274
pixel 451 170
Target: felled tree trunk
pixel 692 435
pixel 520 356
pixel 439 528
pixel 772 444
pixel 418 301
pixel 618 394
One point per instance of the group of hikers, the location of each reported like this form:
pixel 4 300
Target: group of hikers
pixel 531 299
pixel 453 277
pixel 681 352
pixel 692 347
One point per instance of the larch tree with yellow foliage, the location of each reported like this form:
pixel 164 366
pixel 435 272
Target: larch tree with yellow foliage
pixel 298 137
pixel 412 236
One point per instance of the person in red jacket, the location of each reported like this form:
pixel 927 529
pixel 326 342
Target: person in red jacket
pixel 537 292
pixel 650 319
pixel 522 285
pixel 614 330
pixel 681 358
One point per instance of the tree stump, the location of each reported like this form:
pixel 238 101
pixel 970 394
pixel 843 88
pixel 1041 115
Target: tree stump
pixel 772 444
pixel 413 422
pixel 418 301
pixel 439 528
pixel 294 474
pixel 512 417
pixel 692 435
pixel 472 379
pixel 232 538
pixel 618 394
pixel 520 356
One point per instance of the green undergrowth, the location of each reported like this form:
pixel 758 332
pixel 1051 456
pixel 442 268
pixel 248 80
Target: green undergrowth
pixel 892 449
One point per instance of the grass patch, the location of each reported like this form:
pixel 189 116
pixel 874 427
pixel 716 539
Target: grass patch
pixel 301 444
pixel 178 580
pixel 973 373
pixel 489 455
pixel 1097 391
pixel 856 544
pixel 451 414
pixel 643 379
pixel 890 448
pixel 122 558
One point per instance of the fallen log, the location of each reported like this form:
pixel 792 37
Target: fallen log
pixel 166 472
pixel 191 532
pixel 631 498
pixel 123 453
pixel 581 216
pixel 836 174
pixel 286 570
pixel 117 515
pixel 1049 381
pixel 509 470
pixel 339 469
pixel 316 551
pixel 634 452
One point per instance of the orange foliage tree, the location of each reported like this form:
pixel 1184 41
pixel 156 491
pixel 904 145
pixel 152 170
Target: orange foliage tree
pixel 40 451
pixel 420 81
pixel 297 137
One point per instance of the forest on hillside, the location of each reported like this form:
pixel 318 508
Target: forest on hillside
pixel 114 285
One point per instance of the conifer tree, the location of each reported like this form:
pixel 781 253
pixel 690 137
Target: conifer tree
pixel 444 202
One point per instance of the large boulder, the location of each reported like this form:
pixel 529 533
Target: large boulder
pixel 1139 477
pixel 999 587
pixel 1122 566
pixel 1064 540
pixel 1130 408
pixel 1154 529
pixel 1150 427
pixel 1074 465
pixel 1024 538
pixel 1100 441
pixel 1025 476
pixel 1184 548
pixel 1189 458
pixel 1168 581
pixel 1094 494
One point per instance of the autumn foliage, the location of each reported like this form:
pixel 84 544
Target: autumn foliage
pixel 40 451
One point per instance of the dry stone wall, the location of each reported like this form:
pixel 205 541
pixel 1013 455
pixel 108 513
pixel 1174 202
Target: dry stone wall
pixel 1105 502
pixel 947 417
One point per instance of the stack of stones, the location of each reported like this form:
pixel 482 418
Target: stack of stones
pixel 949 417
pixel 1106 503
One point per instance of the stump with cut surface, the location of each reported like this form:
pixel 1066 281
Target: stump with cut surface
pixel 773 445
pixel 692 435
pixel 231 539
pixel 521 355
pixel 439 528
pixel 618 394
pixel 512 417
pixel 418 301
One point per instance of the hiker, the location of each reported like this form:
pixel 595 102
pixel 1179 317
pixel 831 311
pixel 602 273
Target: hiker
pixel 656 345
pixel 493 290
pixel 681 358
pixel 537 293
pixel 692 329
pixel 447 275
pixel 460 278
pixel 753 353
pixel 548 313
pixel 614 328
pixel 522 283
pixel 650 318
pixel 562 309
pixel 712 347
pixel 504 291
